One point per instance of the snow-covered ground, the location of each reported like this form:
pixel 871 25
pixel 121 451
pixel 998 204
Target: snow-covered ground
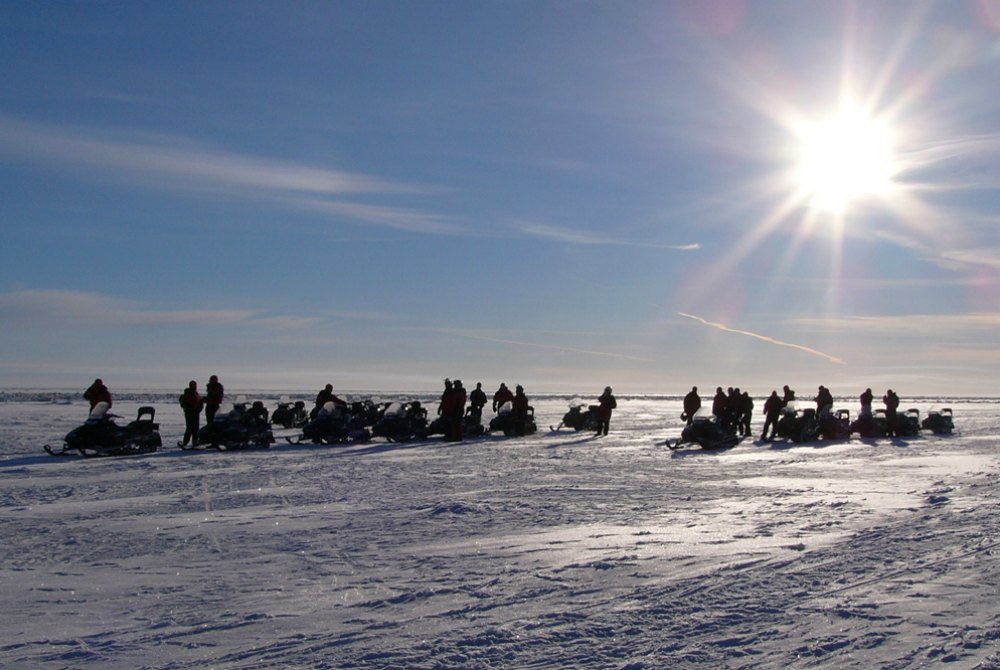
pixel 555 550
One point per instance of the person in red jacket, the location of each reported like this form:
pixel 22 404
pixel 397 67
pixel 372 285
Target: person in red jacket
pixel 192 405
pixel 502 396
pixel 97 393
pixel 606 403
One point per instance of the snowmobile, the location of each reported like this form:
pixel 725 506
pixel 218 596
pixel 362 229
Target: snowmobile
pixel 505 422
pixel 798 425
pixel 333 424
pixel 578 419
pixel 241 428
pixel 908 423
pixel 706 431
pixel 366 413
pixel 472 425
pixel 877 424
pixel 938 421
pixel 401 422
pixel 870 425
pixel 101 436
pixel 835 425
pixel 290 415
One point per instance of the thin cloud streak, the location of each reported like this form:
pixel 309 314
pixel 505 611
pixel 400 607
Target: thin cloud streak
pixel 179 165
pixel 764 338
pixel 567 235
pixel 921 325
pixel 45 307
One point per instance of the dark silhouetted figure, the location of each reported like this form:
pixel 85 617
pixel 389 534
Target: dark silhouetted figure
pixel 692 403
pixel 214 395
pixel 606 404
pixel 772 410
pixel 477 399
pixel 891 401
pixel 97 392
pixel 502 396
pixel 192 404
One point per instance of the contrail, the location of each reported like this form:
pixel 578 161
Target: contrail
pixel 765 338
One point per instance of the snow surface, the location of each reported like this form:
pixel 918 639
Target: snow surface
pixel 555 550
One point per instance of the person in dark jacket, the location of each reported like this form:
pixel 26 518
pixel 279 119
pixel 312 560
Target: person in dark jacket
pixel 789 395
pixel 866 400
pixel 720 405
pixel 824 400
pixel 324 396
pixel 519 411
pixel 606 403
pixel 891 401
pixel 192 404
pixel 692 403
pixel 456 412
pixel 746 413
pixel 772 410
pixel 502 396
pixel 477 399
pixel 214 395
pixel 97 393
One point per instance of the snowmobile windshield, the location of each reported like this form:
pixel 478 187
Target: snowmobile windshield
pixel 577 403
pixel 791 406
pixel 506 408
pixel 703 414
pixel 328 408
pixel 395 409
pixel 99 411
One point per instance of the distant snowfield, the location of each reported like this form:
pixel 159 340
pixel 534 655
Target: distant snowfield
pixel 554 550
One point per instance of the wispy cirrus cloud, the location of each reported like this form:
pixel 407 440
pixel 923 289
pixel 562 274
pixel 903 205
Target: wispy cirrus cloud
pixel 43 306
pixel 572 236
pixel 178 164
pixel 764 338
pixel 918 325
pixel 49 307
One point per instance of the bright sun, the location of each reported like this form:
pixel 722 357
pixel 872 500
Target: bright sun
pixel 843 159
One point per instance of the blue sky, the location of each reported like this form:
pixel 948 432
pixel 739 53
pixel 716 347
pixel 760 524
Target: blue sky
pixel 559 194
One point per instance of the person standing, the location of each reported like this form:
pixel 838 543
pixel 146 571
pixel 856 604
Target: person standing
pixel 746 413
pixel 824 400
pixel 456 412
pixel 97 393
pixel 719 406
pixel 214 395
pixel 606 403
pixel 866 400
pixel 891 401
pixel 477 399
pixel 692 403
pixel 192 404
pixel 772 410
pixel 519 412
pixel 502 396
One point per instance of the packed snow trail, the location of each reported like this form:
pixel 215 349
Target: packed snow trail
pixel 549 551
